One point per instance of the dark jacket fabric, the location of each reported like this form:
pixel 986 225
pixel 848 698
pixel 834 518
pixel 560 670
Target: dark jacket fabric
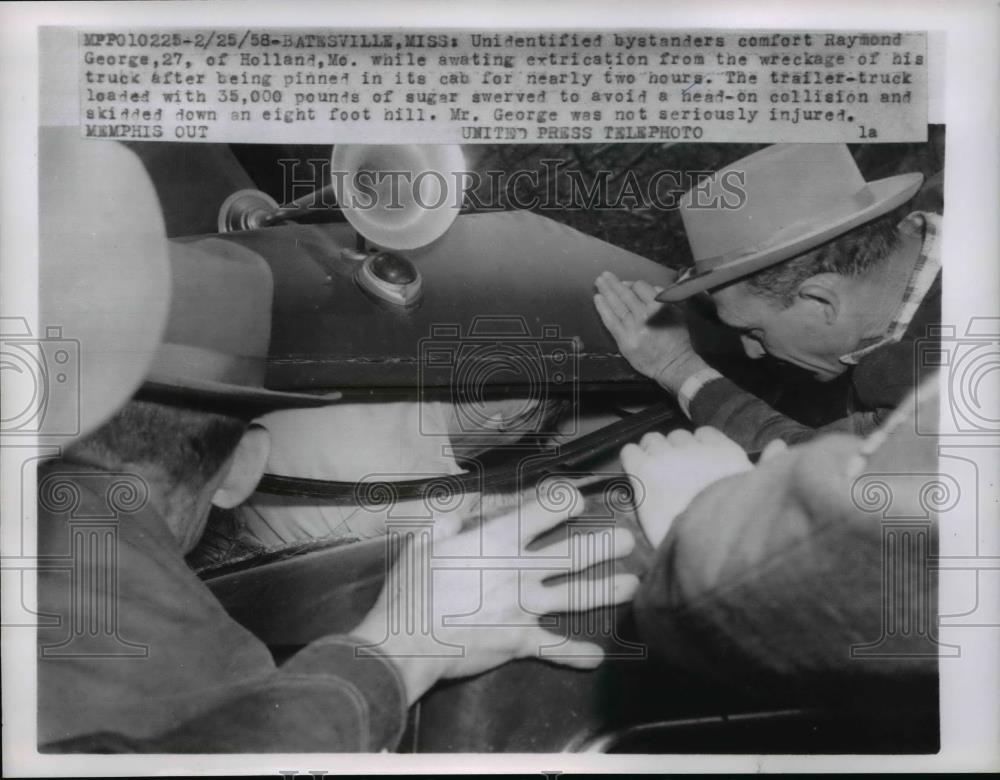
pixel 137 655
pixel 801 572
pixel 878 384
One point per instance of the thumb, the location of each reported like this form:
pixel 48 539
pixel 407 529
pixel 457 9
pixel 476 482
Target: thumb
pixel 773 448
pixel 575 653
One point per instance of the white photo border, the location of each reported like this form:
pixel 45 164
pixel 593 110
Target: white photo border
pixel 963 39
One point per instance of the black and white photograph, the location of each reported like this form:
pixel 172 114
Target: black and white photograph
pixel 590 397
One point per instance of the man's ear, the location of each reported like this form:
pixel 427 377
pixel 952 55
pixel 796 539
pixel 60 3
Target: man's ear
pixel 246 466
pixel 820 293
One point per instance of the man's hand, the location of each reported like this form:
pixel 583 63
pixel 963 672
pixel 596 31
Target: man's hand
pixel 661 351
pixel 669 471
pixel 478 602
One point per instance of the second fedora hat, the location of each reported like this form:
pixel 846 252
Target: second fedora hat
pixel 774 205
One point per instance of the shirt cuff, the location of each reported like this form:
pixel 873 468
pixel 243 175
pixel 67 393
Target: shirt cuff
pixel 692 385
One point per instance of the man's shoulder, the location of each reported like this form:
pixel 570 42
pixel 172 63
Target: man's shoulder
pixel 88 499
pixel 102 523
pixel 113 569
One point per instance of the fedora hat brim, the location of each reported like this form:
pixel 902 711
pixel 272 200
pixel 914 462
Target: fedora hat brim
pixel 888 194
pixel 221 393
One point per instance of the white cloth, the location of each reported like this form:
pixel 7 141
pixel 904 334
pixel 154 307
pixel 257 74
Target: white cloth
pixel 352 442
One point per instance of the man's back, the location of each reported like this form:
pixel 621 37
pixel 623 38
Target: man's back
pixel 143 657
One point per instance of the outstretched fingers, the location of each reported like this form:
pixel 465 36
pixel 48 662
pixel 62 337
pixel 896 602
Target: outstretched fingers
pixel 606 546
pixel 647 294
pixel 542 644
pixel 534 518
pixel 609 317
pixel 708 435
pixel 580 594
pixel 774 448
pixel 612 291
pixel 620 295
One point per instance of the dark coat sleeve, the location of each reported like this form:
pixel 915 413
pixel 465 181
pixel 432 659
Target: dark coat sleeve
pixel 752 423
pixel 325 699
pixel 170 671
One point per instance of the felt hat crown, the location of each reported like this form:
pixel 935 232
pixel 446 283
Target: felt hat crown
pixel 218 329
pixel 132 310
pixel 103 276
pixel 776 204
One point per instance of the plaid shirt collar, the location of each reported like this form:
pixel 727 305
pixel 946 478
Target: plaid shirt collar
pixel 924 272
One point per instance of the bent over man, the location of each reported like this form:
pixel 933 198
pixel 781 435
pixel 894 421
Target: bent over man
pixel 813 267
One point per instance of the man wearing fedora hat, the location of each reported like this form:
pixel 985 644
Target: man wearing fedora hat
pixel 135 653
pixel 812 267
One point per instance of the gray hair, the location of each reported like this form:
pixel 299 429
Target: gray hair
pixel 188 445
pixel 852 254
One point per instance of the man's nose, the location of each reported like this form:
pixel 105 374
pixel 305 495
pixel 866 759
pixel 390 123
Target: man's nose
pixel 753 348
